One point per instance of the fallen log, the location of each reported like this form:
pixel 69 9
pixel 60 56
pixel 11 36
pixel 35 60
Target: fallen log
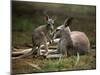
pixel 17 55
pixel 54 56
pixel 23 51
pixel 19 52
pixel 49 51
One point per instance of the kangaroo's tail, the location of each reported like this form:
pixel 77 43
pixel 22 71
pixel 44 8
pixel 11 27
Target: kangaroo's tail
pixel 78 58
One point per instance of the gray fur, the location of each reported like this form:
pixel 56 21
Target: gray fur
pixel 40 36
pixel 71 42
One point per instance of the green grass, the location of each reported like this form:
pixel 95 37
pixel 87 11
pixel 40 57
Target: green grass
pixel 86 62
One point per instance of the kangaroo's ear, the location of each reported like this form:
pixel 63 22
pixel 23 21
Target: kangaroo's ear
pixel 68 21
pixel 46 17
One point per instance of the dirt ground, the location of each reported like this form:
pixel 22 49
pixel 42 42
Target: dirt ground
pixel 40 64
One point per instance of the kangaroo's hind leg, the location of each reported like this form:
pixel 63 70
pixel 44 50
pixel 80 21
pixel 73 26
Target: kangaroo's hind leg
pixel 46 47
pixel 45 44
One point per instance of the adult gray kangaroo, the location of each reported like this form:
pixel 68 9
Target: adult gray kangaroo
pixel 40 36
pixel 71 42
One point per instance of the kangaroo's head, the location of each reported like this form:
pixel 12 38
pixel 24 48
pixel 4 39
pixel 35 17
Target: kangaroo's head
pixel 62 28
pixel 50 22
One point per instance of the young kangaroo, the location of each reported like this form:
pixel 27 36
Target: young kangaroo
pixel 40 36
pixel 71 42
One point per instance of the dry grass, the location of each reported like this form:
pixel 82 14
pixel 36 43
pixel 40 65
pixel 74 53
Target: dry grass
pixel 86 62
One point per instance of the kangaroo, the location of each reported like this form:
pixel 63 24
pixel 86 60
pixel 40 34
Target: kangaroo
pixel 40 36
pixel 71 42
